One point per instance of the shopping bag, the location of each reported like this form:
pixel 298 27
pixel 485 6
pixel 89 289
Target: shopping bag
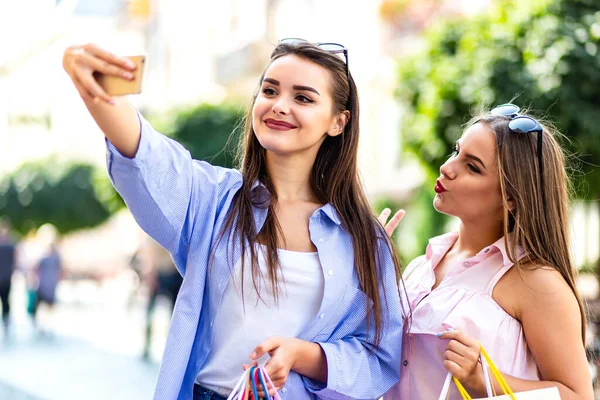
pixel 247 386
pixel 507 393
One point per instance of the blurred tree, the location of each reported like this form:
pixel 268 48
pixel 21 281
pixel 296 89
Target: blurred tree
pixel 208 131
pixel 68 196
pixel 545 52
pixel 77 196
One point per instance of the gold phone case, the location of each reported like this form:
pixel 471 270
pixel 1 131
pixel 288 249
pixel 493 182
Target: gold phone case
pixel 117 86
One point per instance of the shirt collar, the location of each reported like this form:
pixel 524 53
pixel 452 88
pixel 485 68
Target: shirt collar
pixel 439 245
pixel 329 210
pixel 261 197
pixel 501 245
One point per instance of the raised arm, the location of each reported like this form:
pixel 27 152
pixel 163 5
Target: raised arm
pixel 115 116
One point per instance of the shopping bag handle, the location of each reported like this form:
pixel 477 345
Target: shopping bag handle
pixel 485 359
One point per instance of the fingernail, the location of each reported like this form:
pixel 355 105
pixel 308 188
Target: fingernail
pixel 253 355
pixel 439 334
pixel 127 75
pixel 130 64
pixel 112 102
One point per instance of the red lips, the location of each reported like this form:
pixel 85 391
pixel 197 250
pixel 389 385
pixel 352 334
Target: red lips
pixel 439 188
pixel 279 125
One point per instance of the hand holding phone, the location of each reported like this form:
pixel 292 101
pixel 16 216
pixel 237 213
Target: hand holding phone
pixel 119 86
pixel 88 62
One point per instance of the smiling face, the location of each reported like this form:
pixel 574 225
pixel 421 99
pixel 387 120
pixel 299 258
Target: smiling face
pixel 293 113
pixel 469 186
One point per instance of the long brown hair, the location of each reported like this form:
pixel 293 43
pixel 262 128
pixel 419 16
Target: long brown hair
pixel 539 221
pixel 334 179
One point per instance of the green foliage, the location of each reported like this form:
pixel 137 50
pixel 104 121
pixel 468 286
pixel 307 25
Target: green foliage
pixel 544 52
pixel 208 131
pixel 68 196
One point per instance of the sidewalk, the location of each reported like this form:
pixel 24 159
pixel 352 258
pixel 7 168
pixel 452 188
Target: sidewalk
pixel 92 354
pixel 59 368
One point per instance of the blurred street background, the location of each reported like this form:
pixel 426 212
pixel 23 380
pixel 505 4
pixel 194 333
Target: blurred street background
pixel 91 295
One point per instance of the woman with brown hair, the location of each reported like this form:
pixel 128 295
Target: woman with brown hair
pixel 281 257
pixel 505 280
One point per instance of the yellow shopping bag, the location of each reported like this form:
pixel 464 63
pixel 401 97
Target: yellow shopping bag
pixel 538 394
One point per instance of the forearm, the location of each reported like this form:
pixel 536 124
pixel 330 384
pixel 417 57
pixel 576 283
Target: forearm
pixel 310 361
pixel 119 123
pixel 523 385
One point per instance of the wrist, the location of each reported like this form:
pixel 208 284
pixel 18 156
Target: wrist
pixel 298 349
pixel 476 382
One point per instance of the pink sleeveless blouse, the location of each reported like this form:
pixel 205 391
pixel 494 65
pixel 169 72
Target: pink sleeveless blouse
pixel 463 301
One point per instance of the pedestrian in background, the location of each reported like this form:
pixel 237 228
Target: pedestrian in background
pixel 7 267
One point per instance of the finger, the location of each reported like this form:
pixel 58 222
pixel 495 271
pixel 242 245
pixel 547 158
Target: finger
pixel 252 364
pixel 94 89
pixel 454 368
pixel 268 345
pixel 81 89
pixel 104 67
pixel 458 347
pixel 384 216
pixel 454 357
pixel 461 337
pixel 394 222
pixel 123 62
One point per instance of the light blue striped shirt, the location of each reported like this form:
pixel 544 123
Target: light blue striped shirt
pixel 183 203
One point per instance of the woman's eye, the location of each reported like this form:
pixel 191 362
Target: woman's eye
pixel 473 168
pixel 454 153
pixel 268 91
pixel 304 99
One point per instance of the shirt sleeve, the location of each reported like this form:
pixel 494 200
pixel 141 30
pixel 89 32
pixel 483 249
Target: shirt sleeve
pixel 171 196
pixel 354 369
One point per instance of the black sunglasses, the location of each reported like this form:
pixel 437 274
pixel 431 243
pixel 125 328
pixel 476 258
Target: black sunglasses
pixel 523 124
pixel 334 48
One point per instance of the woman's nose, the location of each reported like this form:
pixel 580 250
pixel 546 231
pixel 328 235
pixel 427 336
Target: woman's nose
pixel 447 169
pixel 280 107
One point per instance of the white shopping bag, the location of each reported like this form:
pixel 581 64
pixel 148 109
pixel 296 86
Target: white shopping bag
pixel 537 394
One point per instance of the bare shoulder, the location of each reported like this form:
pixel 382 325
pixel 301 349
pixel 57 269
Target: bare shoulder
pixel 533 287
pixel 541 288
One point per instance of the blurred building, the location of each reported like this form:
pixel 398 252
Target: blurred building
pixel 201 52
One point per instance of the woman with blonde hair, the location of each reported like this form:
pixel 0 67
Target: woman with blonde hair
pixel 505 280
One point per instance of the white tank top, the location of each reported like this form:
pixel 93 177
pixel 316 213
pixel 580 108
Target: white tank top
pixel 237 331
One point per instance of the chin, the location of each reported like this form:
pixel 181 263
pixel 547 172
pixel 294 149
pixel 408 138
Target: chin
pixel 440 207
pixel 273 145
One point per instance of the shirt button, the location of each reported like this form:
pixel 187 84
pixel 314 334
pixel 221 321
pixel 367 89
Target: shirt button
pixel 405 363
pixel 321 240
pixel 322 316
pixel 330 273
pixel 284 389
pixel 466 264
pixel 211 324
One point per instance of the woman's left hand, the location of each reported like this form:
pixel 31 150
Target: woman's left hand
pixel 283 352
pixel 462 358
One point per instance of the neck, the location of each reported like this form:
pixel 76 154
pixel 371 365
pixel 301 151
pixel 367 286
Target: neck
pixel 474 236
pixel 290 177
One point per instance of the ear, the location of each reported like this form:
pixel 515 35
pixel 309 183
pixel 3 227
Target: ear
pixel 339 123
pixel 512 205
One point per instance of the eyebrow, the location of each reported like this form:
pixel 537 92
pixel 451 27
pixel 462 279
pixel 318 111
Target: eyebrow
pixel 472 157
pixel 295 87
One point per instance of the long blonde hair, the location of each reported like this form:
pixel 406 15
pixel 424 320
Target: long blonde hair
pixel 539 220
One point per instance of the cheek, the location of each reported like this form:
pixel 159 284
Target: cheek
pixel 261 105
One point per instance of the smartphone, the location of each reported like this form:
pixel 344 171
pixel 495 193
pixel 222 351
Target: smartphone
pixel 117 86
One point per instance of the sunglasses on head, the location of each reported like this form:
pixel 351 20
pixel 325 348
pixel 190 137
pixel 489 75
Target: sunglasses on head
pixel 523 124
pixel 334 48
